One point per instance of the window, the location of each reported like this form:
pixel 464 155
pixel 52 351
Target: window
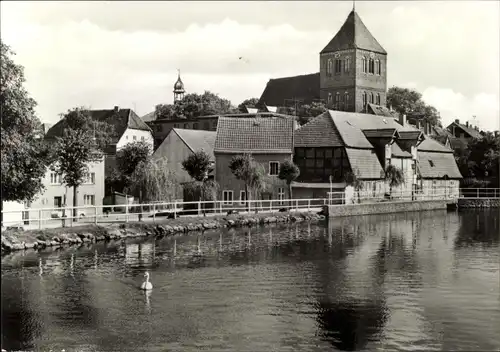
pixel 330 99
pixel 363 64
pixel 338 66
pixel 126 137
pixel 378 99
pixel 329 67
pixel 431 163
pixel 214 125
pixel 142 138
pixel 176 125
pixel 347 64
pixel 186 125
pixel 346 100
pixel 134 138
pixel 227 197
pixel 365 100
pixel 371 67
pixel 195 126
pixel 55 179
pixel 57 202
pixel 274 168
pixel 243 197
pixel 27 205
pixel 89 199
pixel 281 195
pixel 90 178
pixel 371 98
pixel 206 126
pixel 377 67
pixel 337 100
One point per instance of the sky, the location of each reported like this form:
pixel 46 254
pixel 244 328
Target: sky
pixel 109 53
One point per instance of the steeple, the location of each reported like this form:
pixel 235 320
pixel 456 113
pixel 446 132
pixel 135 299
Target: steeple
pixel 353 35
pixel 179 87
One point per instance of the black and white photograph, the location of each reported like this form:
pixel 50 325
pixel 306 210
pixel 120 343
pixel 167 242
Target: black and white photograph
pixel 250 176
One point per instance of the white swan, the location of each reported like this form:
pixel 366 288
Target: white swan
pixel 146 285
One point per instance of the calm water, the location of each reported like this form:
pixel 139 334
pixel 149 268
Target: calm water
pixel 421 281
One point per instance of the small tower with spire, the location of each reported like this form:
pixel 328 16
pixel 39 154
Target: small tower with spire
pixel 179 87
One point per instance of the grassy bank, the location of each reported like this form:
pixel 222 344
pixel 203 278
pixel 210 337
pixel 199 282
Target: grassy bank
pixel 55 237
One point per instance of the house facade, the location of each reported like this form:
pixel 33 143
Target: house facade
pixel 179 145
pixel 268 140
pixel 58 196
pixel 338 144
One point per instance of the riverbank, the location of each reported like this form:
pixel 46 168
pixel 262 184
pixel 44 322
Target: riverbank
pixel 13 240
pixel 479 203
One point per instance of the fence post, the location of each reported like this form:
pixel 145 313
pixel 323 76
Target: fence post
pixel 154 212
pixel 175 209
pixel 308 205
pixel 477 192
pixel 270 205
pixel 199 207
pixel 297 205
pixel 40 219
pixel 126 211
pixel 220 206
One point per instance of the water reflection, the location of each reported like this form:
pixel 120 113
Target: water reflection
pixel 427 280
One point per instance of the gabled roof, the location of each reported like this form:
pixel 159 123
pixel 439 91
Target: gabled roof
pixel 318 132
pixel 197 140
pixel 438 165
pixel 120 120
pixel 254 135
pixel 304 88
pixel 149 117
pixel 353 35
pixel 469 130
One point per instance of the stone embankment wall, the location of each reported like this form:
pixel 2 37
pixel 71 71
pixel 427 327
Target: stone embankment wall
pixel 383 208
pixel 479 203
pixel 40 239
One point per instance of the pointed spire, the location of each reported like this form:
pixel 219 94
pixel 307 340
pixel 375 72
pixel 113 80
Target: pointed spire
pixel 353 5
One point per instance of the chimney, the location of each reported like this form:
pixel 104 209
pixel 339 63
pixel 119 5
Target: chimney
pixel 402 119
pixel 116 109
pixel 457 121
pixel 476 128
pixel 467 124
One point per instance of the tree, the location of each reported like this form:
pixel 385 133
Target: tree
pixel 394 176
pixel 246 169
pixel 252 102
pixel 409 102
pixel 154 180
pixel 198 165
pixel 127 160
pixel 82 143
pixel 483 156
pixel 289 173
pixel 308 111
pixel 23 153
pixel 353 179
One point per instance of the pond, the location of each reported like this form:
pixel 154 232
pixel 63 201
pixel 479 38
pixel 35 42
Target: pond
pixel 415 281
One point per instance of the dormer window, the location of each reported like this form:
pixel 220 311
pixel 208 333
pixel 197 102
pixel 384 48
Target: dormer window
pixel 329 67
pixel 363 64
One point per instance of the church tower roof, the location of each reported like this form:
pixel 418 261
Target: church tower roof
pixel 353 34
pixel 179 86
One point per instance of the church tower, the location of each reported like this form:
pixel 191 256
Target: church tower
pixel 353 68
pixel 179 88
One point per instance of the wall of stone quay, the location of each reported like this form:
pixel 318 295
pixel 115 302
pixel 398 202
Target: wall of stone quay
pixel 39 239
pixel 478 203
pixel 384 208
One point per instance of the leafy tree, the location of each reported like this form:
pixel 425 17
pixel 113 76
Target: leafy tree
pixel 252 102
pixel 353 179
pixel 23 154
pixel 289 173
pixel 483 156
pixel 394 176
pixel 246 169
pixel 82 142
pixel 127 160
pixel 198 165
pixel 409 102
pixel 308 111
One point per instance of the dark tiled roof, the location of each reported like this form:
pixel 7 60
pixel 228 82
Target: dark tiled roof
pixel 254 135
pixel 353 34
pixel 382 111
pixel 365 162
pixel 397 152
pixel 469 130
pixel 304 88
pixel 318 132
pixel 197 140
pixel 437 165
pixel 380 133
pixel 121 120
